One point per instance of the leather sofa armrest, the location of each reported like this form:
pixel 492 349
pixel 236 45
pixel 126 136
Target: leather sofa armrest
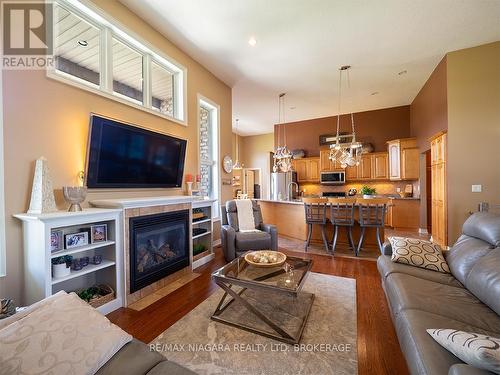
pixel 273 231
pixel 464 369
pixel 387 248
pixel 228 238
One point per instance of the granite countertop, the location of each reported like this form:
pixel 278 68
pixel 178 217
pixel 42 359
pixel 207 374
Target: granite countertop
pixel 298 201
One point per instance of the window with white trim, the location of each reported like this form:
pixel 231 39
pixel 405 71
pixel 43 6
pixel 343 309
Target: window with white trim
pixel 209 152
pixel 92 52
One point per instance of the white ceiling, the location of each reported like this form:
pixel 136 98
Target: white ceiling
pixel 302 43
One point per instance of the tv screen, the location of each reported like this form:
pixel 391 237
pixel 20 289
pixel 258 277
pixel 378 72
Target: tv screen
pixel 125 156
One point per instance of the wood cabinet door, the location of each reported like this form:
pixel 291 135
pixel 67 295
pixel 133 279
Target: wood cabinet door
pixel 351 173
pixel 301 169
pixel 365 167
pixel 394 161
pixel 325 163
pixel 388 217
pixel 410 164
pixel 380 166
pixel 313 167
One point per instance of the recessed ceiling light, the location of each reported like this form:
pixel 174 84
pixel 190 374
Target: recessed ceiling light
pixel 83 43
pixel 402 72
pixel 252 41
pixel 374 93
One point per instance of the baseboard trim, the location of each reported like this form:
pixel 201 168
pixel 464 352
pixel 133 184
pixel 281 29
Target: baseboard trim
pixel 216 243
pixel 423 231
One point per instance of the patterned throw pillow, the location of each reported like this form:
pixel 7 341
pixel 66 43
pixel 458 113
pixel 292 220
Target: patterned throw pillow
pixel 418 253
pixel 474 349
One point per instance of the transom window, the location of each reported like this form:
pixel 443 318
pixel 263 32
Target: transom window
pixel 93 53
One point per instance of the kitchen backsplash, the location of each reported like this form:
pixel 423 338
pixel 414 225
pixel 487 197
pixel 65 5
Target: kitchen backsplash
pixel 384 187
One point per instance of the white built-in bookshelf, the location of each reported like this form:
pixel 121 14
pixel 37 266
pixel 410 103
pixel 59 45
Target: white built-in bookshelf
pixel 204 239
pixel 39 282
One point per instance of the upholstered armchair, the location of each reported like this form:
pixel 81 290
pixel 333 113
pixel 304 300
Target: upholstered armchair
pixel 234 242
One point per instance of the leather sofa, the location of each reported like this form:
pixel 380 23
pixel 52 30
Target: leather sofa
pixel 135 358
pixel 468 299
pixel 235 243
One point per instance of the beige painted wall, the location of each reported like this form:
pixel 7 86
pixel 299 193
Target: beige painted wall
pixel 255 154
pixel 49 118
pixel 473 131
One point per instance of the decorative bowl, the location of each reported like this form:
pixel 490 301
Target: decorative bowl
pixel 74 195
pixel 265 258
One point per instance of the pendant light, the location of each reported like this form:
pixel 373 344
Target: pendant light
pixel 349 153
pixel 282 159
pixel 237 164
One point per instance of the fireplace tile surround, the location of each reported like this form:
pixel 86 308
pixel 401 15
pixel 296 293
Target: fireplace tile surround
pixel 138 207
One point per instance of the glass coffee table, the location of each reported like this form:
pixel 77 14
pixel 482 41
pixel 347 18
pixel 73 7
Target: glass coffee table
pixel 266 301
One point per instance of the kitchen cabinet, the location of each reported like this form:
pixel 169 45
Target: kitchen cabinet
pixel 379 166
pixel 404 213
pixel 373 166
pixel 439 216
pixel 307 169
pixel 326 164
pixel 403 159
pixel 365 167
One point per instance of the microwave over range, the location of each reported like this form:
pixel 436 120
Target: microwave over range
pixel 332 178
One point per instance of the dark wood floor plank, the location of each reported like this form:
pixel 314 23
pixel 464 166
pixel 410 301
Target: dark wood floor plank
pixel 378 347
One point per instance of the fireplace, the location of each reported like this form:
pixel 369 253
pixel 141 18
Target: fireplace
pixel 159 246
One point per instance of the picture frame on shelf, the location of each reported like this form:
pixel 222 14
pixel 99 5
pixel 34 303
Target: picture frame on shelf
pixel 73 240
pixel 56 240
pixel 99 233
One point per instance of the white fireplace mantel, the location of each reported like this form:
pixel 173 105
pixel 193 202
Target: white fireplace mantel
pixel 125 203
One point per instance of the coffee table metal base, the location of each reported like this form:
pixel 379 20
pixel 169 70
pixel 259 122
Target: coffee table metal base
pixel 278 331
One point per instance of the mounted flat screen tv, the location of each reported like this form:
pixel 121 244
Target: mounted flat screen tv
pixel 125 156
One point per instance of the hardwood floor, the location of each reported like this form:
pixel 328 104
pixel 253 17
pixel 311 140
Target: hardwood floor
pixel 378 347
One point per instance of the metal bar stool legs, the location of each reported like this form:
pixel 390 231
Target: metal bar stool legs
pixel 323 234
pixel 309 233
pixel 361 239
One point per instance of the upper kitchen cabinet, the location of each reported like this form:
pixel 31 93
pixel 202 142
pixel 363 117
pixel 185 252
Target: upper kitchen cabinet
pixel 403 159
pixel 307 169
pixel 325 163
pixel 365 167
pixel 380 166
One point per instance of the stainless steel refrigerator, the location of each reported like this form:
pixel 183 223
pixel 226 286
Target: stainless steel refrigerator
pixel 279 185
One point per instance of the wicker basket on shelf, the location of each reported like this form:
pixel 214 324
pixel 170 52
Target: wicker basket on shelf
pixel 106 294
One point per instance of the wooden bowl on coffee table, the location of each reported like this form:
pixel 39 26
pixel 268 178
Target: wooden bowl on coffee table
pixel 258 258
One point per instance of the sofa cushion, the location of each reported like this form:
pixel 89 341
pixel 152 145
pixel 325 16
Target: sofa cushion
pixel 170 368
pixel 463 369
pixel 485 226
pixel 418 253
pixel 484 280
pixel 133 358
pixel 409 292
pixel 423 355
pixel 481 351
pixel 386 267
pixel 253 240
pixel 464 254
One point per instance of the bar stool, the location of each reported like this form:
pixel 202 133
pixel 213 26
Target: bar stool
pixel 315 210
pixel 342 215
pixel 371 215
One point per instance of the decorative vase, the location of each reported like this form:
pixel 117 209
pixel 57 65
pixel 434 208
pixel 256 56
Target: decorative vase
pixel 60 270
pixel 189 188
pixel 367 196
pixel 74 195
pixel 42 194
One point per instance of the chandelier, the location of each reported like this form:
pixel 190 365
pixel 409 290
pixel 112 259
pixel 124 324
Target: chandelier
pixel 282 158
pixel 347 154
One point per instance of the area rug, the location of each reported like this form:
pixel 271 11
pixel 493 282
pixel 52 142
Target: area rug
pixel 328 344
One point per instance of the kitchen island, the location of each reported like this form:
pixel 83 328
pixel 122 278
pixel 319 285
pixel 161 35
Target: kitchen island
pixel 289 218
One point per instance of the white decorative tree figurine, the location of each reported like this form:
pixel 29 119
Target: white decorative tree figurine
pixel 42 195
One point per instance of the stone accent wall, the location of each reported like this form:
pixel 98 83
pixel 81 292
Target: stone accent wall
pixel 143 211
pixel 205 151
